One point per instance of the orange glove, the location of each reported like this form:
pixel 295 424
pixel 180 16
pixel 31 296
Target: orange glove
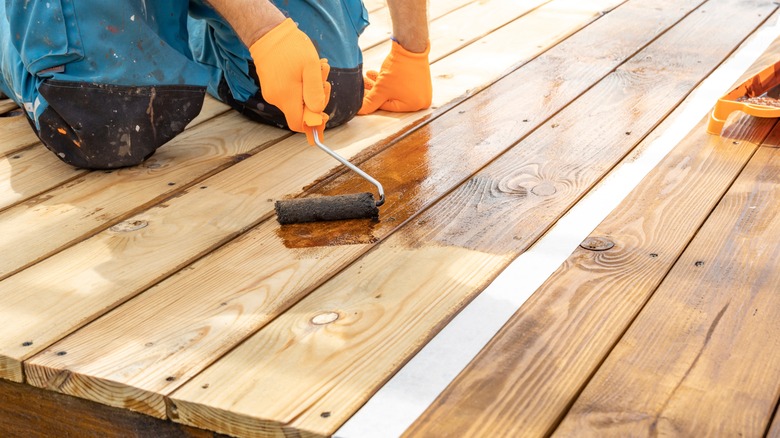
pixel 293 77
pixel 403 84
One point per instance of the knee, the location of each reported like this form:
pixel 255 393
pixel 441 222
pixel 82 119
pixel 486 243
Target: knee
pixel 346 94
pixel 95 126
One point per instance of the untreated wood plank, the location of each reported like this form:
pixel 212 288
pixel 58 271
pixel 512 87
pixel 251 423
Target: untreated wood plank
pixel 211 108
pixel 381 27
pixel 692 363
pixel 353 332
pixel 774 430
pixel 372 5
pixel 525 379
pixel 55 219
pixel 21 174
pixel 113 266
pixel 7 105
pixel 34 170
pixel 470 23
pixel 30 412
pixel 15 134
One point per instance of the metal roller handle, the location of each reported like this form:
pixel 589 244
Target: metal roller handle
pixel 354 168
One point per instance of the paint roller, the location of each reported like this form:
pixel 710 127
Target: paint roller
pixel 332 208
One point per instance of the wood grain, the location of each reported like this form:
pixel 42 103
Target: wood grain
pixel 27 181
pixel 530 373
pixel 206 321
pixel 276 282
pixel 211 108
pixel 522 382
pixel 372 5
pixel 21 174
pixel 31 171
pixel 58 218
pixel 470 23
pixel 7 105
pixel 774 430
pixel 381 27
pixel 681 366
pixel 30 412
pixel 15 134
pixel 237 196
pixel 394 298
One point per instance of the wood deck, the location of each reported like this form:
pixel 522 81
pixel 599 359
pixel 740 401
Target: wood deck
pixel 165 300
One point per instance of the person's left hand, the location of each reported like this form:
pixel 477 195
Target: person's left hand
pixel 403 84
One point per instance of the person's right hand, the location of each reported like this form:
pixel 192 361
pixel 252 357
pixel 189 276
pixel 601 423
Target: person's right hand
pixel 293 77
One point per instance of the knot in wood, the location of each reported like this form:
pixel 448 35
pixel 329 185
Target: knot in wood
pixel 128 226
pixel 544 189
pixel 325 318
pixel 597 244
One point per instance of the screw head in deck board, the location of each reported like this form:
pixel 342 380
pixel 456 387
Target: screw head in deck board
pixel 597 244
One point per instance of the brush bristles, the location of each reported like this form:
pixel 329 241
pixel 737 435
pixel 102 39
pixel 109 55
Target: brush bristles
pixel 330 208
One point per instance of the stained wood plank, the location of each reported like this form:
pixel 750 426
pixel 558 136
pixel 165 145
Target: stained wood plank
pixel 31 412
pixel 594 296
pixel 384 302
pixel 682 367
pixel 236 196
pixel 525 379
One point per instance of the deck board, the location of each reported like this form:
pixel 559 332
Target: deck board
pixel 15 134
pixel 688 348
pixel 150 289
pixel 586 302
pixel 533 369
pixel 59 415
pixel 381 29
pixel 338 364
pixel 7 105
pixel 774 430
pixel 470 23
pixel 34 170
pixel 173 292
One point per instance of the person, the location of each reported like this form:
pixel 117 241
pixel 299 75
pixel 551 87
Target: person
pixel 105 84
